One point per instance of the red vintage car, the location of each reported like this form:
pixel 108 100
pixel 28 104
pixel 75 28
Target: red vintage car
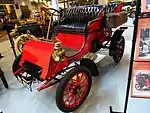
pixel 81 30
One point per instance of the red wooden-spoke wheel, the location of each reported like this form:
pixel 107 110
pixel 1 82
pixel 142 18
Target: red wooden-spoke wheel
pixel 73 89
pixel 119 50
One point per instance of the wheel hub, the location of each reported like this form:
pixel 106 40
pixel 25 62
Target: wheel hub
pixel 76 89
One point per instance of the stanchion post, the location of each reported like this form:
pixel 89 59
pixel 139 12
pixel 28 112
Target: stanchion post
pixel 138 3
pixel 11 41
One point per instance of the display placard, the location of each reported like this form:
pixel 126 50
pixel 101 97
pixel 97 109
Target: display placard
pixel 141 80
pixel 143 40
pixel 145 5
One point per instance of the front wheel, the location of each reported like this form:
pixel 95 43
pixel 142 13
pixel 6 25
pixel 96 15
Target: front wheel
pixel 73 89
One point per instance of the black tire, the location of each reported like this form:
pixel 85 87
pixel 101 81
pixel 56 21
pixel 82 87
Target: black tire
pixel 90 65
pixel 15 65
pixel 61 88
pixel 115 56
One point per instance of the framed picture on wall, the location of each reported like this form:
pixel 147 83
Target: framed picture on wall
pixel 141 80
pixel 143 40
pixel 145 5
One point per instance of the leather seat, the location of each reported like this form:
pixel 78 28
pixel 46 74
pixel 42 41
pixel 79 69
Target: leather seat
pixel 75 20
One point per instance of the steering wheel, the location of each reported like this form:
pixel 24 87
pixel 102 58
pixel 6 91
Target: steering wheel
pixel 48 16
pixel 50 11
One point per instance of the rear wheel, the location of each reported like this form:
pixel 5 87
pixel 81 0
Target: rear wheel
pixel 119 49
pixel 73 89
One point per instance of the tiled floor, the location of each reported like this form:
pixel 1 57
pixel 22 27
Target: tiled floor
pixel 107 89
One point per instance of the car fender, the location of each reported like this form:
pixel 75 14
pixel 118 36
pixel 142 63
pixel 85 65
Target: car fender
pixel 118 33
pixel 90 65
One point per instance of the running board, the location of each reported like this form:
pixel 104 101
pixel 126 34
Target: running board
pixel 96 57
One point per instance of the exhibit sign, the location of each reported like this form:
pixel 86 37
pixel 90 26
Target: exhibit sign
pixel 141 65
pixel 141 80
pixel 143 40
pixel 145 5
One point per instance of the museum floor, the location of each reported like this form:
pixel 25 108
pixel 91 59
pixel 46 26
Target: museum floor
pixel 108 88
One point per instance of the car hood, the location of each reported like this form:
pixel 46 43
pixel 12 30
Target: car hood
pixel 38 53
